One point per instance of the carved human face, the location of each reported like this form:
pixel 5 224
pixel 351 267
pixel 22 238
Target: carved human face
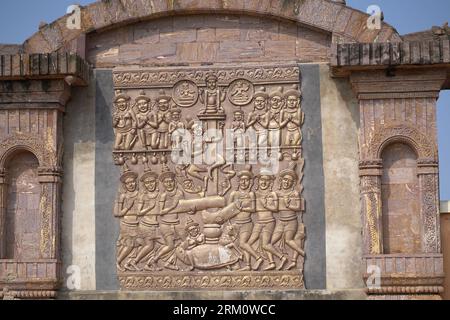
pixel 238 117
pixel 176 116
pixel 276 102
pixel 150 184
pixel 130 184
pixel 169 184
pixel 260 103
pixel 163 104
pixel 293 102
pixel 122 104
pixel 264 182
pixel 244 183
pixel 194 231
pixel 212 84
pixel 198 130
pixel 143 106
pixel 287 182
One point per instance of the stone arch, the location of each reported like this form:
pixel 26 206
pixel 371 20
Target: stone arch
pixel 385 136
pixel 342 21
pixel 25 142
pixel 400 199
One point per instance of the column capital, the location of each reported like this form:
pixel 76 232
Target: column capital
pixel 50 174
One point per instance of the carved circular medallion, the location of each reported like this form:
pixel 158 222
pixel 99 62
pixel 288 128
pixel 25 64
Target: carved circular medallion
pixel 240 92
pixel 185 93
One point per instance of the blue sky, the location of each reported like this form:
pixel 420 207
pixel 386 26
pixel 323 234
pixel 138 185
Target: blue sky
pixel 20 18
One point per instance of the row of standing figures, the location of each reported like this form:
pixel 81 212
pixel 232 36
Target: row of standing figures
pixel 151 229
pixel 276 117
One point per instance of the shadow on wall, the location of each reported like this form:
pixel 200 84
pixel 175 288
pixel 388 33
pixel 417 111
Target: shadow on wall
pixel 77 225
pixel 106 182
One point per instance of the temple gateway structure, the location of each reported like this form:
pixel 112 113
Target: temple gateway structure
pixel 221 149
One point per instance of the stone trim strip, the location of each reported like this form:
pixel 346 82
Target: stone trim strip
pixel 390 54
pixel 35 66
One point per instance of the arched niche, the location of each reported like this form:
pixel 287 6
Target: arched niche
pixel 400 196
pixel 22 219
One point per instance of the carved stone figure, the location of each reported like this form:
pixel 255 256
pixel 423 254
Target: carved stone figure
pixel 178 127
pixel 213 96
pixel 160 120
pixel 256 116
pixel 148 209
pixel 266 207
pixel 294 116
pixel 241 92
pixel 185 94
pixel 143 119
pixel 126 208
pixel 245 200
pixel 238 127
pixel 169 221
pixel 272 119
pixel 288 230
pixel 194 239
pixel 124 123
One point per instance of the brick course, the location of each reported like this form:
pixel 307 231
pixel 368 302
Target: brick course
pixel 203 39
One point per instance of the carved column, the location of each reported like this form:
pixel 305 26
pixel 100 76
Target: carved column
pixel 370 173
pixel 34 91
pixel 429 188
pixel 399 107
pixel 50 180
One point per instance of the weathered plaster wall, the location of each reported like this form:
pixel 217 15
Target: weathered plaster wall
pixel 78 205
pixel 340 125
pixel 89 230
pixel 106 177
pixel 314 183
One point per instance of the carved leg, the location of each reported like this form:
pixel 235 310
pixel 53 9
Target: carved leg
pixel 118 142
pixel 164 143
pixel 249 251
pixel 130 138
pixel 143 138
pixel 125 252
pixel 144 252
pixel 290 238
pixel 155 141
pixel 272 251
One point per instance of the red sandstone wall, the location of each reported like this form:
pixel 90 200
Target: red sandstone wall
pixel 204 39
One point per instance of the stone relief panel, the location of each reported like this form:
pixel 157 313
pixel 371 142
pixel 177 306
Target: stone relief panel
pixel 211 191
pixel 22 221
